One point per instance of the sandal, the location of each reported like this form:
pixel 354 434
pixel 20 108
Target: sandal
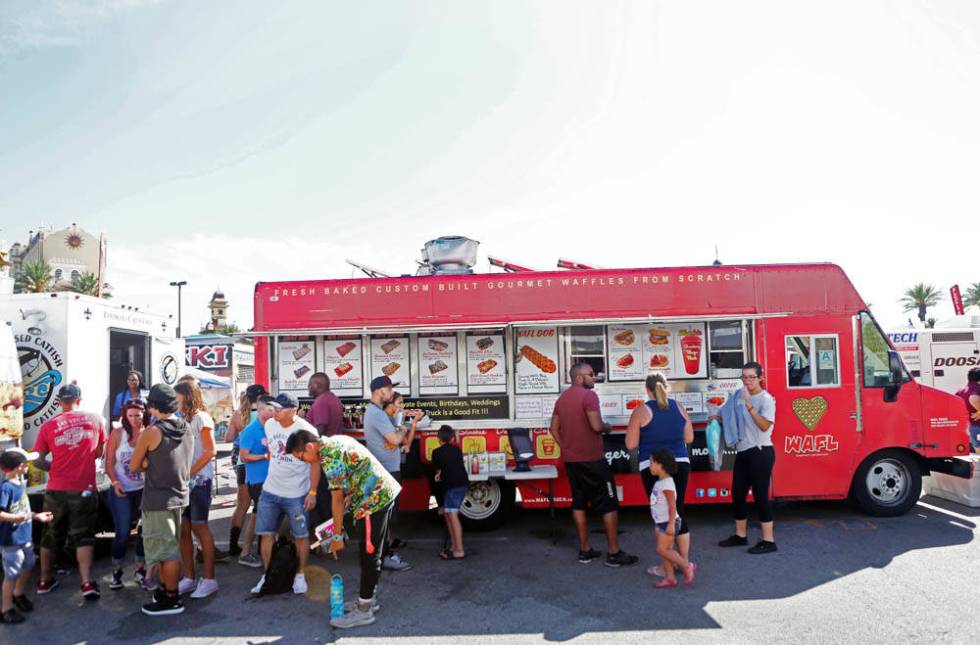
pixel 689 576
pixel 448 555
pixel 666 583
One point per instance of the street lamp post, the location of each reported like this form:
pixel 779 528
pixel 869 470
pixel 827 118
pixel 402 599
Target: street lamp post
pixel 179 318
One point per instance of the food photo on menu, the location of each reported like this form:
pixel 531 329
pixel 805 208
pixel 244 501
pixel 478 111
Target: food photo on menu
pixel 538 359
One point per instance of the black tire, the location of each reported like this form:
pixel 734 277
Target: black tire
pixel 887 483
pixel 487 505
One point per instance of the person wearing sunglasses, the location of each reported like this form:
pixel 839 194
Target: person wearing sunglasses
pixel 126 493
pixel 747 419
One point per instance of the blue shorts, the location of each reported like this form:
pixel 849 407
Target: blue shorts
pixel 662 526
pixel 197 510
pixel 17 559
pixel 453 499
pixel 271 509
pixel 975 436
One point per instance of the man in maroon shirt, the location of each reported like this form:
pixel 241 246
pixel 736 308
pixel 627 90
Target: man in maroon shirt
pixel 577 427
pixel 75 439
pixel 327 412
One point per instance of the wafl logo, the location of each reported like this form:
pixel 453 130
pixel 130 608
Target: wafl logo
pixel 810 412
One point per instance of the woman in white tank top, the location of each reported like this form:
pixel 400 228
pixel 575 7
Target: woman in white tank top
pixel 127 488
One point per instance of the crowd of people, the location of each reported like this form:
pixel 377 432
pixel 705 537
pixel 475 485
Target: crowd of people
pixel 299 470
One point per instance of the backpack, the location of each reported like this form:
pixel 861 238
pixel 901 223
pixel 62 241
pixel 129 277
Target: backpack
pixel 282 568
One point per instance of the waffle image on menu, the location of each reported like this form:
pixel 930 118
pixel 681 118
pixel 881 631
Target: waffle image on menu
pixel 345 349
pixel 390 368
pixel 301 371
pixel 659 360
pixel 301 351
pixel 538 359
pixel 342 369
pixel 625 361
pixel 625 338
pixel 388 347
pixel 437 367
pixel 484 344
pixel 486 366
pixel 437 345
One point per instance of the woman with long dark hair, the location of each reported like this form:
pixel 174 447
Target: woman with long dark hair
pixel 126 493
pixel 135 391
pixel 661 424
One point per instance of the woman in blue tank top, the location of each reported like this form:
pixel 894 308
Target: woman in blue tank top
pixel 662 424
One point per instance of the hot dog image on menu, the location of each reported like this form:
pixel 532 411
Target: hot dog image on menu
pixel 486 366
pixel 342 369
pixel 538 359
pixel 388 347
pixel 346 348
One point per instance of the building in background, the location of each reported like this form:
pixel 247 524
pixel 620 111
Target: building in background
pixel 69 252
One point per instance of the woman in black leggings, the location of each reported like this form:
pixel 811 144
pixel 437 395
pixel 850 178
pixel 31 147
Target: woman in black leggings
pixel 753 411
pixel 662 424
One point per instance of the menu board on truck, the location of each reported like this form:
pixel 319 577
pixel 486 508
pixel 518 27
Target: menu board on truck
pixel 343 363
pixel 297 362
pixel 486 364
pixel 674 349
pixel 438 365
pixel 389 357
pixel 536 362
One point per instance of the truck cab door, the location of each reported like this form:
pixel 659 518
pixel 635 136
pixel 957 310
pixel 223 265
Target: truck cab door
pixel 811 373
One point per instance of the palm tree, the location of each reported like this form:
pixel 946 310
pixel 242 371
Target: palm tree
pixel 972 298
pixel 919 298
pixel 34 277
pixel 88 284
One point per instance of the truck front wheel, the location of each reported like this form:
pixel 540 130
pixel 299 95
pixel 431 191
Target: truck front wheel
pixel 887 484
pixel 487 505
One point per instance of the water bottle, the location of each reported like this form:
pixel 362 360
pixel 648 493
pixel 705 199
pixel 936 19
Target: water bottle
pixel 336 596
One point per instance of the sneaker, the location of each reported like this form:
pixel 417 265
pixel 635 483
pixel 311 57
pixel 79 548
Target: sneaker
pixel 299 584
pixel 394 563
pixel 249 560
pixel 357 617
pixel 23 603
pixel 117 582
pixel 586 557
pixel 351 605
pixel 763 546
pixel 186 585
pixel 164 605
pixel 90 590
pixel 150 584
pixel 46 586
pixel 205 588
pixel 620 559
pixel 733 540
pixel 656 570
pixel 145 582
pixel 689 575
pixel 258 588
pixel 13 616
pixel 221 556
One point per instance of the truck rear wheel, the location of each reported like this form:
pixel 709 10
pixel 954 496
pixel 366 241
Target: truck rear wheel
pixel 888 483
pixel 487 505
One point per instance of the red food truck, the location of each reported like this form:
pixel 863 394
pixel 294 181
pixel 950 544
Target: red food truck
pixel 489 354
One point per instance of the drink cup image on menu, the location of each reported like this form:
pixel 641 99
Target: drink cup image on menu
pixel 691 344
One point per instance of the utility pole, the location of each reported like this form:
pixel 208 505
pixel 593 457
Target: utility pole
pixel 179 285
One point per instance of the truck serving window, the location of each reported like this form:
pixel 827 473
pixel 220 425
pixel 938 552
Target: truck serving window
pixel 875 351
pixel 727 348
pixel 586 343
pixel 812 361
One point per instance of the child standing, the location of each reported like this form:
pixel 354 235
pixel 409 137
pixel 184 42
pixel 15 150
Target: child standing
pixel 663 507
pixel 451 475
pixel 15 534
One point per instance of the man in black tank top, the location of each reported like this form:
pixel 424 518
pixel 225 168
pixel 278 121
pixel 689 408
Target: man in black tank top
pixel 164 451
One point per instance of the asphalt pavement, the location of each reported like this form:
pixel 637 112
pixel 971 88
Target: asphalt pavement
pixel 839 576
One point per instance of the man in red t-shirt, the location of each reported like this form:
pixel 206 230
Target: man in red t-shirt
pixel 577 427
pixel 327 412
pixel 75 439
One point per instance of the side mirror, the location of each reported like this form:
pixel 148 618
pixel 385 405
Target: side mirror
pixel 896 375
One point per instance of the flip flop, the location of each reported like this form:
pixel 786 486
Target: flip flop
pixel 448 555
pixel 665 583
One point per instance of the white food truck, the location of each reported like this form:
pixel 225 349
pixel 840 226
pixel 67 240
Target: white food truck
pixel 65 337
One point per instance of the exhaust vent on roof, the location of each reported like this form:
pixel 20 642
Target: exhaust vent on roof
pixel 452 254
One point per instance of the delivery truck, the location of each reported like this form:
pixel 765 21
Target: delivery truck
pixel 938 357
pixel 490 353
pixel 65 337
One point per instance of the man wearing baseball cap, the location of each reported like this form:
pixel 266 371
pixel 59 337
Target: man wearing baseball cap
pixel 74 439
pixel 384 440
pixel 289 489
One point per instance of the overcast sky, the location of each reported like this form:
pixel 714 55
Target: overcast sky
pixel 228 142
